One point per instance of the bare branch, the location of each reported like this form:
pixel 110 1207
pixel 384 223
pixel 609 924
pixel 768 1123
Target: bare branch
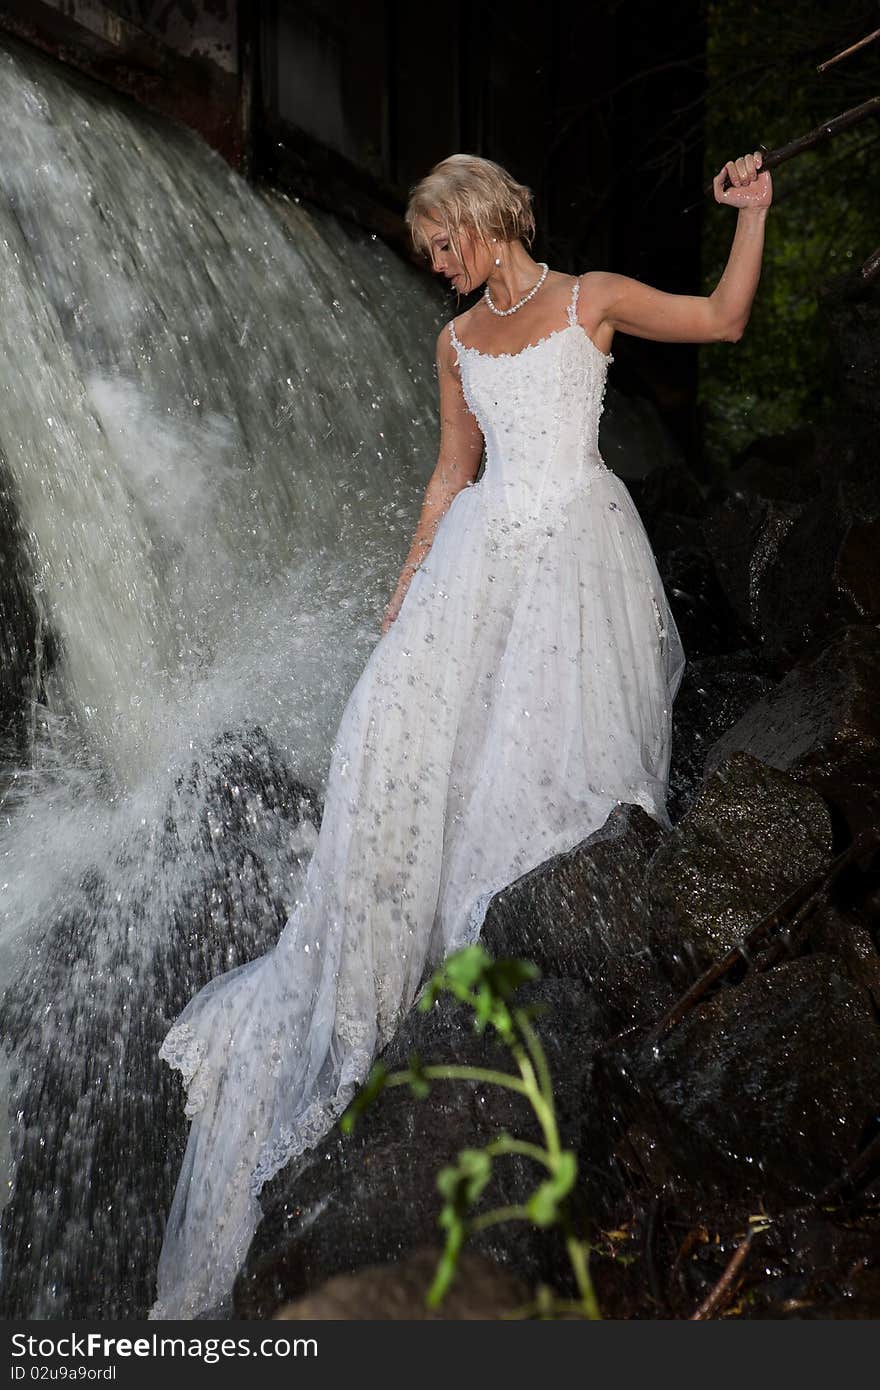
pixel 722 1291
pixel 871 267
pixel 771 159
pixel 853 48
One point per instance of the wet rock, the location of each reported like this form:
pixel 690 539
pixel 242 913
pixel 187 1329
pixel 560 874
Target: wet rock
pixel 750 838
pixel 821 724
pixel 772 1084
pixel 669 491
pixel 849 308
pixel 816 1264
pixel 814 585
pixel 636 443
pixel 744 534
pixel 370 1197
pixel 841 934
pixel 707 623
pixel 396 1293
pixel 797 570
pixel 857 568
pixel 715 693
pixel 585 914
pixel 779 468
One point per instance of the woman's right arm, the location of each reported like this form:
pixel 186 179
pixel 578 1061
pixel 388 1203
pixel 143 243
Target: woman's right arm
pixel 458 462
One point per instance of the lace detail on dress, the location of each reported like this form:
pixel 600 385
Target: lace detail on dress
pixel 183 1051
pixel 461 347
pixel 572 308
pixel 311 1127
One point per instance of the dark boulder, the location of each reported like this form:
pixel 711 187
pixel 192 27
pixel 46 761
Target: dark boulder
pixel 821 725
pixel 396 1293
pixel 750 838
pixel 715 693
pixel 772 1085
pixel 371 1198
pixel 586 915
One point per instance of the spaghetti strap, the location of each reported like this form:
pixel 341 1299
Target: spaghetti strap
pixel 572 308
pixel 455 340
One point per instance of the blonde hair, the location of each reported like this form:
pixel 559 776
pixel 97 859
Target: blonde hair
pixel 467 191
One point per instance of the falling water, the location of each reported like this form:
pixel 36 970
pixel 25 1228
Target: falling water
pixel 218 417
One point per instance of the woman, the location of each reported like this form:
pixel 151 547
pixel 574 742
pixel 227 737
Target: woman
pixel 522 689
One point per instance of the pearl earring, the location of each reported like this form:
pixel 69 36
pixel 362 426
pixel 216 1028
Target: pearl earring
pixel 497 258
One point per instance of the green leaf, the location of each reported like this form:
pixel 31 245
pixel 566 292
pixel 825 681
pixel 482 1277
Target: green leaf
pixel 466 967
pixel 473 977
pixel 484 1006
pixel 475 1166
pixel 463 1184
pixel 508 975
pixel 544 1204
pixel 371 1088
pixel 446 1182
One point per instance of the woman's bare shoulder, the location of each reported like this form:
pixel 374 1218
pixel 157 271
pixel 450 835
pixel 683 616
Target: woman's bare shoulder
pixel 446 353
pixel 598 284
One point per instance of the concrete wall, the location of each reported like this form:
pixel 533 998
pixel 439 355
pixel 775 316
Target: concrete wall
pixel 187 59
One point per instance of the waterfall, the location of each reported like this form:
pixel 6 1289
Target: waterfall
pixel 217 419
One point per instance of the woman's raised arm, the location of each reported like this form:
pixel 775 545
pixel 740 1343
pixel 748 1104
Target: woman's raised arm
pixel 645 312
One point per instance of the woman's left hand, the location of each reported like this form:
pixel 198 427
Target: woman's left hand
pixel 751 187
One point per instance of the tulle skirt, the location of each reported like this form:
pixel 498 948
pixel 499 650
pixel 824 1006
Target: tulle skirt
pixel 524 690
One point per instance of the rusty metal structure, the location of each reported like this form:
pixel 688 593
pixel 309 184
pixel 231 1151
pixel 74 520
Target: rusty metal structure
pixel 188 61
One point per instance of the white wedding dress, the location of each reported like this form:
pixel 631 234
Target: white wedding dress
pixel 524 690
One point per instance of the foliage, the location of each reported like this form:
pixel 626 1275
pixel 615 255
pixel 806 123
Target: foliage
pixel 762 87
pixel 488 987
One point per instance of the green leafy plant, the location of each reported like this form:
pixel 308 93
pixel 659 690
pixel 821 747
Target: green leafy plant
pixel 488 987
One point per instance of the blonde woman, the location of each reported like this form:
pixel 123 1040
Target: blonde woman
pixel 522 689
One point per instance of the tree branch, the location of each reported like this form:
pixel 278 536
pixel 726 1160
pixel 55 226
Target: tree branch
pixel 853 48
pixel 827 131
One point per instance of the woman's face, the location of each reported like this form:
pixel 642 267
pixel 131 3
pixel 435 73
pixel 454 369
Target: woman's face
pixel 463 273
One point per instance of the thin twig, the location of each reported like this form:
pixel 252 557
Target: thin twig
pixel 853 48
pixel 871 266
pixel 770 159
pixel 804 896
pixel 723 1290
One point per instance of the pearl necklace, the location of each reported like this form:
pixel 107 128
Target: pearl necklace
pixel 502 313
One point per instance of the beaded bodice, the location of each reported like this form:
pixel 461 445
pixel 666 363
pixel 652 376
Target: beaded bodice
pixel 539 411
